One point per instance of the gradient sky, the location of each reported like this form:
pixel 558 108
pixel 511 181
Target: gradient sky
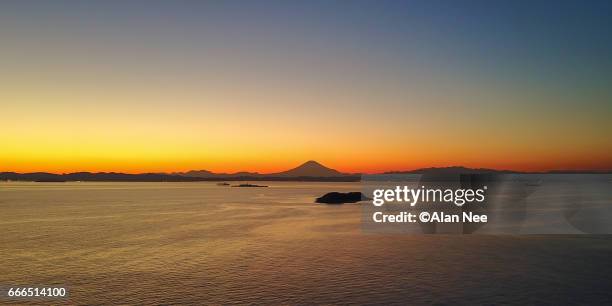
pixel 139 86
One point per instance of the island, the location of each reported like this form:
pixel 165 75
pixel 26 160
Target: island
pixel 249 185
pixel 341 198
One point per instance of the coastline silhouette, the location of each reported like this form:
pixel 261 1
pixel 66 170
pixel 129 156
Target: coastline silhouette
pixel 310 171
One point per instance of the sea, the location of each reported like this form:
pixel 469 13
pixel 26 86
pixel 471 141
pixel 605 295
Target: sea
pixel 204 244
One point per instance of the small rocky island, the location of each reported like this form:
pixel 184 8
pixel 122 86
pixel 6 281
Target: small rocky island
pixel 341 198
pixel 249 185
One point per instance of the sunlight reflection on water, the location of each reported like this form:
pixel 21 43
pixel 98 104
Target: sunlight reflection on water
pixel 198 242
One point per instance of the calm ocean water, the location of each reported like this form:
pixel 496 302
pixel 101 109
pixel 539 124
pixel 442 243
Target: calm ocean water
pixel 199 243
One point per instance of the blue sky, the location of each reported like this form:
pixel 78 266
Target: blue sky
pixel 533 76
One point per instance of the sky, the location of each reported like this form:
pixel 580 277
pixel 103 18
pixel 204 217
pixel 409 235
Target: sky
pixel 360 86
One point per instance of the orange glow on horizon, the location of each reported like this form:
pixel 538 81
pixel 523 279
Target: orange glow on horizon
pixel 269 167
pixel 127 91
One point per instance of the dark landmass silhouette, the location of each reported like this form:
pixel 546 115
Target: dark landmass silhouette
pixel 209 174
pixel 155 177
pixel 309 168
pixel 196 173
pixel 464 170
pixel 93 177
pixel 341 198
pixel 311 171
pixel 452 170
pixel 249 185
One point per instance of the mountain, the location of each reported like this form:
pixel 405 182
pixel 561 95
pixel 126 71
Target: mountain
pixel 464 170
pixel 451 170
pixel 195 173
pixel 94 177
pixel 209 174
pixel 309 171
pixel 310 168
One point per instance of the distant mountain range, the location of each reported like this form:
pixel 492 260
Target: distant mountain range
pixel 310 168
pixel 464 170
pixel 452 170
pixel 308 171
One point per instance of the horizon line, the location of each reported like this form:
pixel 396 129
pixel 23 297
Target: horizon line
pixel 245 173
